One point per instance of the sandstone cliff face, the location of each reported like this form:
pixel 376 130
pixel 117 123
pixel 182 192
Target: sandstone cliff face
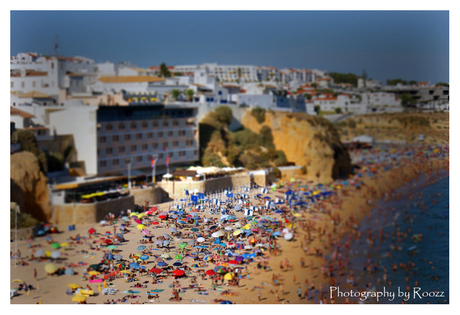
pixel 29 186
pixel 306 140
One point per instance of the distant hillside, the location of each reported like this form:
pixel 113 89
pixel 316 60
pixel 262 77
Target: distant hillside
pixel 397 127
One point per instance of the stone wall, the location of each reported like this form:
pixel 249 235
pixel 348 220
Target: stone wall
pixel 83 213
pixel 24 233
pixel 177 189
pixel 151 195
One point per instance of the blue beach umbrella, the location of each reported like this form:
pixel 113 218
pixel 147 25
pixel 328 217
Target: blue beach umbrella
pixel 134 265
pixel 142 247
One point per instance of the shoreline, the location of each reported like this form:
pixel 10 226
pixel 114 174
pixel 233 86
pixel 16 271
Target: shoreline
pixel 352 203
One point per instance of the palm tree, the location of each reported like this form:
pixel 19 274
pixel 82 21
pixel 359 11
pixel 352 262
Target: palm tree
pixel 175 94
pixel 189 93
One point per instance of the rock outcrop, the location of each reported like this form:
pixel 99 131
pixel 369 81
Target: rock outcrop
pixel 29 186
pixel 306 140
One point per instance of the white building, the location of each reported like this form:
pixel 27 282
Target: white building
pixel 380 99
pixel 108 138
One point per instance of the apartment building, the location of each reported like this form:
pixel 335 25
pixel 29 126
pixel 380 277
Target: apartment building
pixel 110 138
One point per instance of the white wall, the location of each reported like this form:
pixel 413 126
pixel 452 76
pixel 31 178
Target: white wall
pixel 81 122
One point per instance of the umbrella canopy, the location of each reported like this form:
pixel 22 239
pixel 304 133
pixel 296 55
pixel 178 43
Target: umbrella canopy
pixel 194 230
pixel 162 264
pixel 142 247
pixel 182 245
pixel 94 273
pixel 178 272
pixel 144 257
pixel 140 226
pixel 229 276
pixel 288 236
pixel 55 245
pixel 50 268
pixel 73 286
pixel 165 255
pixel 134 265
pixel 112 247
pixel 145 232
pixel 173 229
pixel 210 272
pixel 177 264
pixel 156 270
pixel 178 256
pixel 79 298
pixel 55 254
pixel 200 239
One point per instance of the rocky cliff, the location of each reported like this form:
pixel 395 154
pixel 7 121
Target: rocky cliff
pixel 306 140
pixel 29 186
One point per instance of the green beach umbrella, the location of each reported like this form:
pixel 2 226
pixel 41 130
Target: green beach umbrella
pixel 182 245
pixel 178 257
pixel 55 245
pixel 112 247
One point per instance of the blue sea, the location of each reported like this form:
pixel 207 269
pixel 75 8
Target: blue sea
pixel 412 236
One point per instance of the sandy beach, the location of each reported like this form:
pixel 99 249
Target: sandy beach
pixel 286 275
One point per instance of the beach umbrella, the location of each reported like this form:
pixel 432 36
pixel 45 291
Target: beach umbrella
pixel 288 236
pixel 134 265
pixel 140 226
pixel 237 232
pixel 226 302
pixel 239 258
pixel 107 241
pixel 237 207
pixel 156 270
pixel 112 247
pixel 177 264
pixel 39 253
pixel 18 280
pixel 144 257
pixel 165 243
pixel 178 272
pixel 200 239
pixel 173 229
pixel 79 298
pixel 178 256
pixel 194 230
pixel 210 272
pixel 73 286
pixel 165 255
pixel 138 221
pixel 103 222
pixel 145 232
pixel 167 235
pixel 117 257
pixel 217 234
pixel 94 273
pixel 142 247
pixel 55 254
pixel 182 245
pixel 55 245
pixel 51 268
pixel 69 272
pixel 162 264
pixel 233 262
pixel 229 276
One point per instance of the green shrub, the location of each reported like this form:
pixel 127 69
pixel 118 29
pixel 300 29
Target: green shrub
pixel 276 172
pixel 259 114
pixel 25 220
pixel 352 124
pixel 303 169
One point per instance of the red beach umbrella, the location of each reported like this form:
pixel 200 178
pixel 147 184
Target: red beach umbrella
pixel 178 272
pixel 210 272
pixel 91 231
pixel 156 270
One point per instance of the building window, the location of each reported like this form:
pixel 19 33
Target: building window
pixel 160 156
pixel 115 138
pixel 175 143
pixel 133 147
pixel 127 137
pixel 12 84
pixel 139 136
pixel 102 163
pixel 181 153
pixel 170 133
pixel 144 125
pixel 165 145
pixel 144 147
pixel 108 150
pixel 33 83
pixel 165 123
pixel 155 145
pixel 195 152
pixel 102 139
pixel 181 132
pixel 171 154
pixel 150 135
pixel 121 149
pixel 139 159
pixel 121 126
pixel 175 123
pixel 116 162
pixel 108 127
pixel 23 84
pixel 160 134
pixel 155 124
pixel 133 125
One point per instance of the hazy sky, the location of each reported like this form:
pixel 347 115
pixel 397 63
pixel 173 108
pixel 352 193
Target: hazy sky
pixel 412 45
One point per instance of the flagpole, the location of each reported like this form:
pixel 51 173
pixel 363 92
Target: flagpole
pixel 16 235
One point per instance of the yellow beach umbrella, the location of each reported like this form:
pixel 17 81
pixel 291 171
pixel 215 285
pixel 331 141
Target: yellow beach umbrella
pixel 79 298
pixel 140 226
pixel 125 271
pixel 73 286
pixel 47 253
pixel 229 276
pixel 64 244
pixel 297 215
pixel 94 273
pixel 18 280
pixel 50 268
pixel 237 232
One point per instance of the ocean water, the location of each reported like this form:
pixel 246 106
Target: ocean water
pixel 411 235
